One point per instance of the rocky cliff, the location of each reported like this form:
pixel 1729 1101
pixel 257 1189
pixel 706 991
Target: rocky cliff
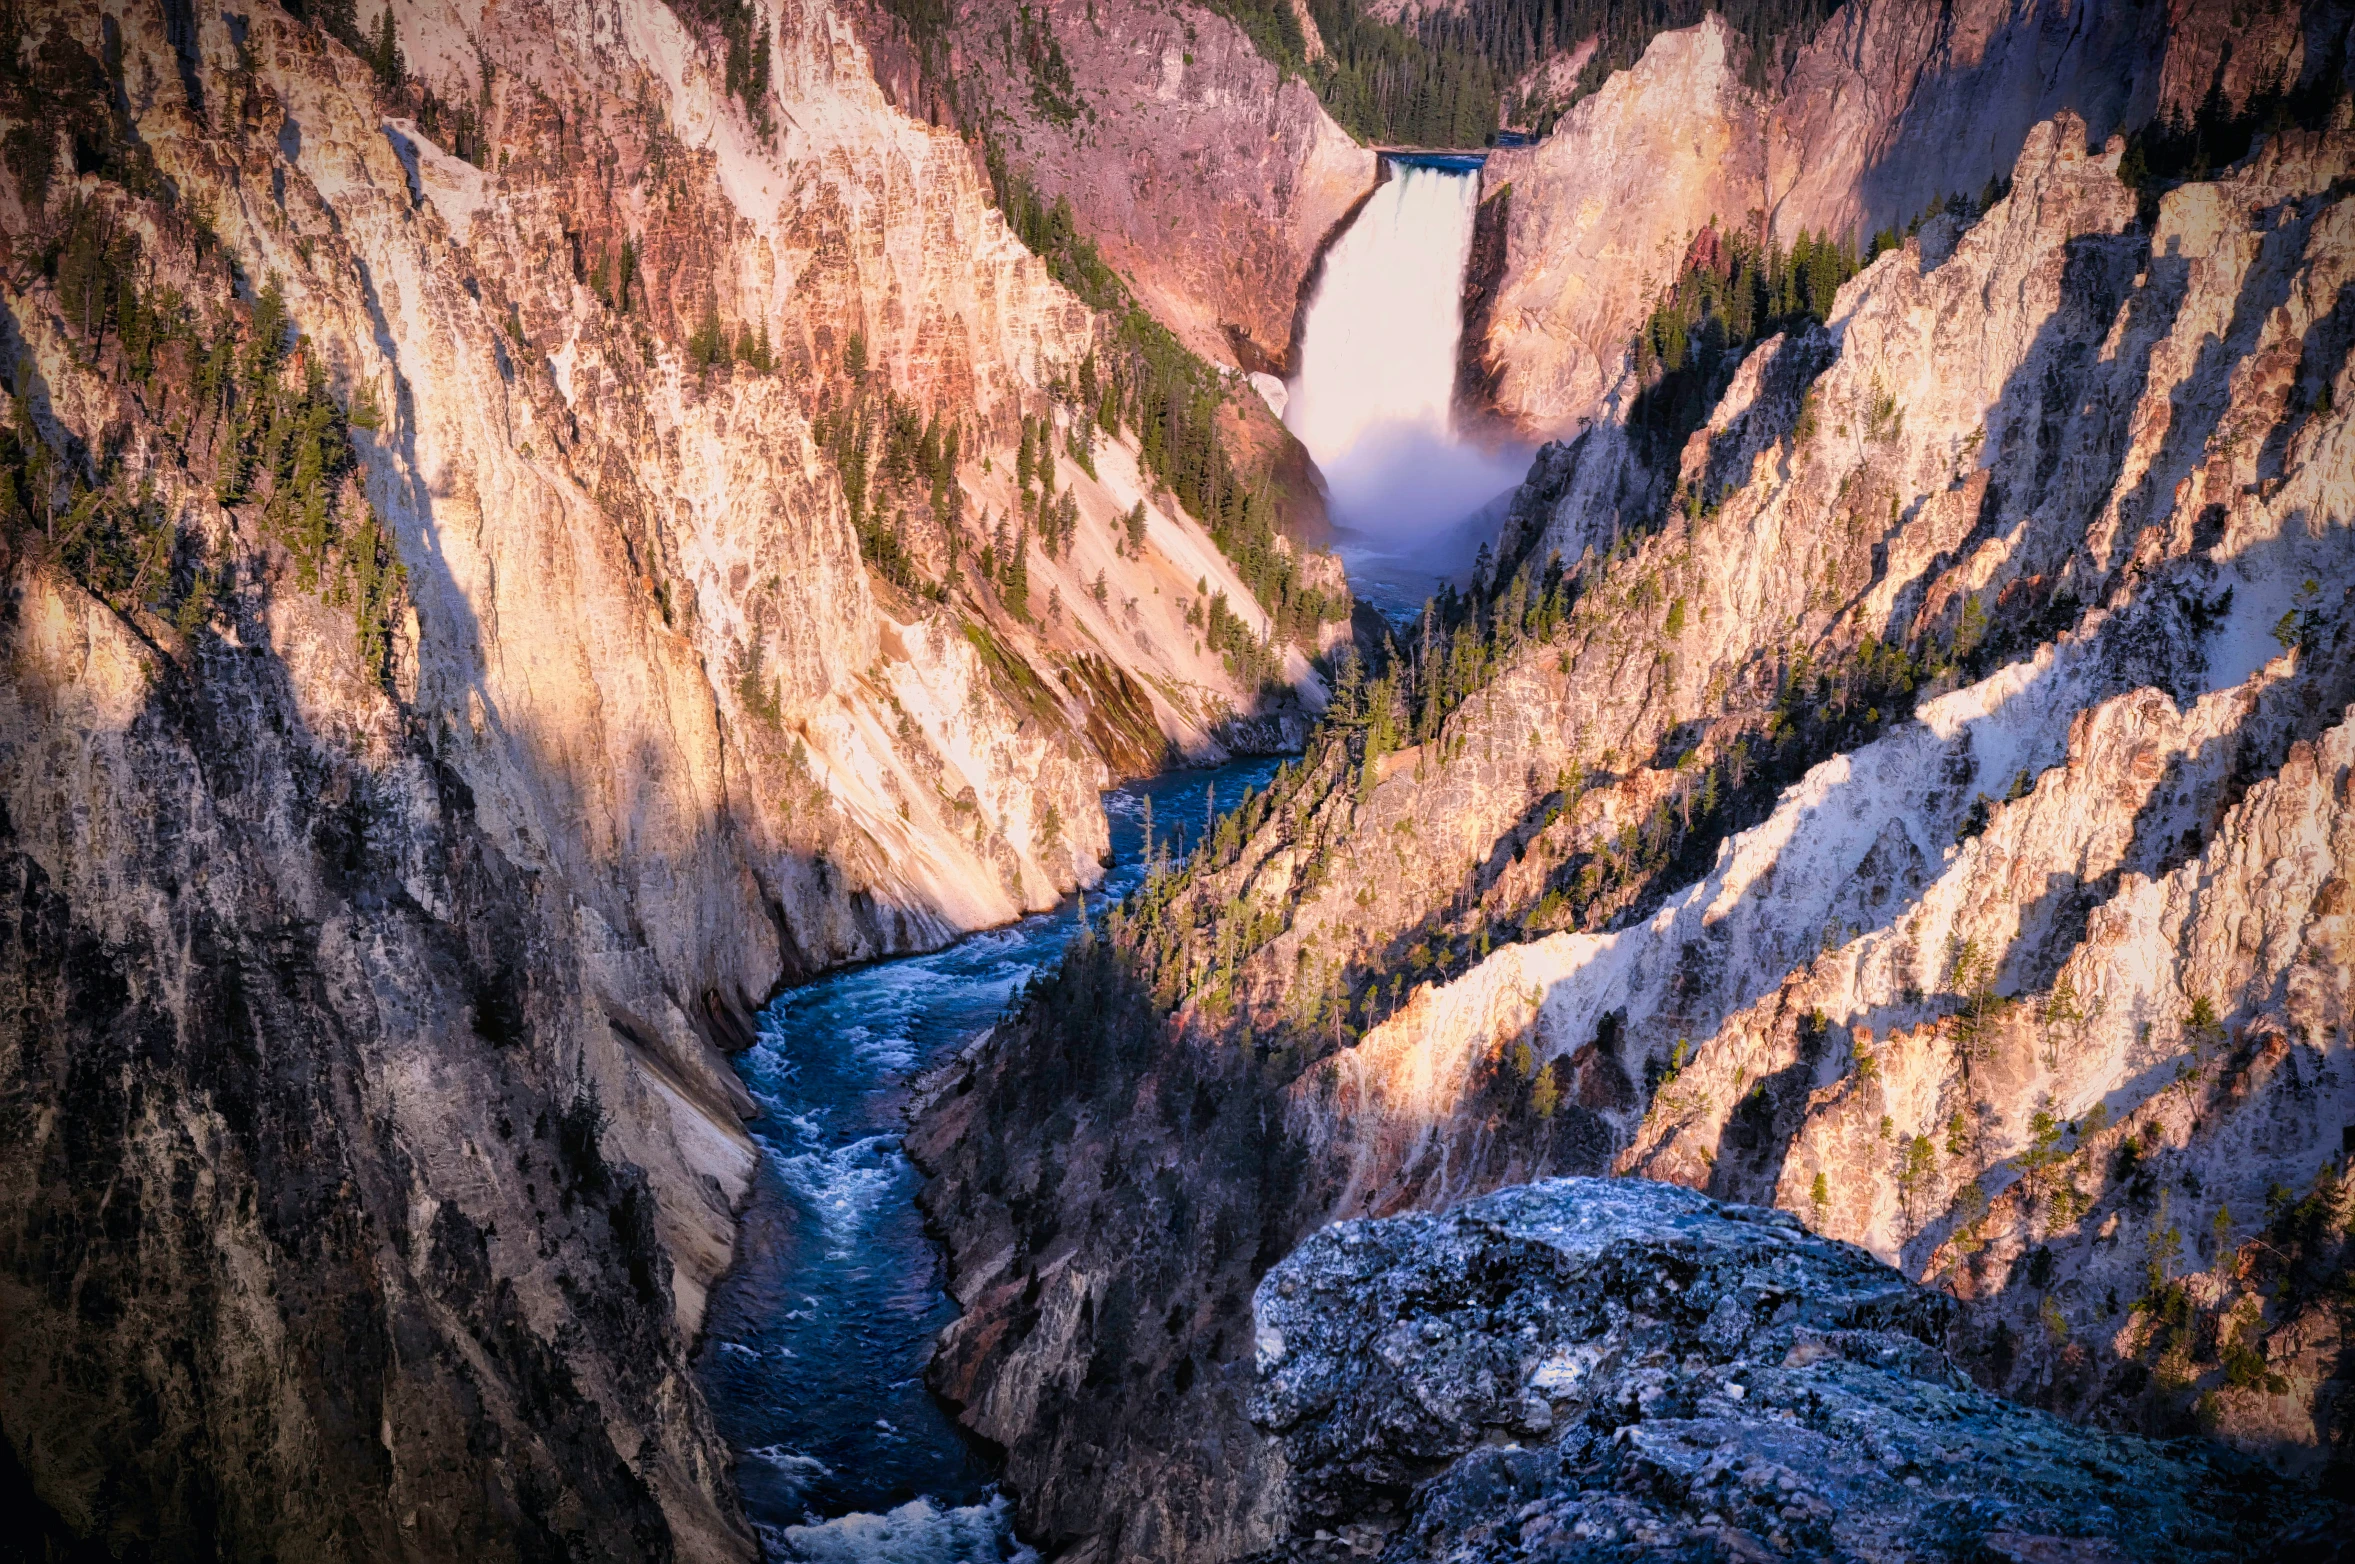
pixel 1587 1370
pixel 522 532
pixel 1207 176
pixel 1212 179
pixel 1929 818
pixel 1892 106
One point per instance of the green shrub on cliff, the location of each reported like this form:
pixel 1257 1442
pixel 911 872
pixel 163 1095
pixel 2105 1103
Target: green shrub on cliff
pixel 744 44
pixel 1031 34
pixel 1732 293
pixel 892 460
pixel 383 52
pixel 250 402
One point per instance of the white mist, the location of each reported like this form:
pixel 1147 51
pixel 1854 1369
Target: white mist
pixel 1374 394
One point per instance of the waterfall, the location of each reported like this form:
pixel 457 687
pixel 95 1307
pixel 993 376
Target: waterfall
pixel 1379 348
pixel 1373 395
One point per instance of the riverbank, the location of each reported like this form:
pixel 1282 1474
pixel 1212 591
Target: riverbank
pixel 816 1340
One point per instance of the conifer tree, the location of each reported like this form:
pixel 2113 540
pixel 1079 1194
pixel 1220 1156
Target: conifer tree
pixel 384 52
pixel 1014 576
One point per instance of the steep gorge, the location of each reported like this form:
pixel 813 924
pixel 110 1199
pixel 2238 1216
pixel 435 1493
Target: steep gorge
pixel 1962 752
pixel 516 547
pixel 1214 179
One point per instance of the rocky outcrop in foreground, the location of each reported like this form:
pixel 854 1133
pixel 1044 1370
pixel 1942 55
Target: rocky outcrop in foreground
pixel 1589 1369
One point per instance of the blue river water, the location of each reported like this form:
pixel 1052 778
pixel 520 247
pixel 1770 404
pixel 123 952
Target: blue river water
pixel 815 1343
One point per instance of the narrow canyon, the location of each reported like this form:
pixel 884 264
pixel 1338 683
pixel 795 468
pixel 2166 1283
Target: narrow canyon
pixel 1279 780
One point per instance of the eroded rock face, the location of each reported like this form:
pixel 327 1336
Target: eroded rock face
pixel 1601 212
pixel 342 1216
pixel 2012 642
pixel 1204 174
pixel 1888 108
pixel 1101 1269
pixel 1580 1369
pixel 369 1149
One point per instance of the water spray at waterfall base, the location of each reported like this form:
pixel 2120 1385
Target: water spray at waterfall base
pixel 1413 493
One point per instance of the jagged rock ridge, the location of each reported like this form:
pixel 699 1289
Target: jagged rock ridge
pixel 2002 638
pixel 1889 108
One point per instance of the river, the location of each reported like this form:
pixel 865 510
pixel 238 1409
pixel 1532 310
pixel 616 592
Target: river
pixel 814 1349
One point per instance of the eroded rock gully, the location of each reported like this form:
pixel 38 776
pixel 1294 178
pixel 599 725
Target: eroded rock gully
pixel 1935 826
pixel 1201 171
pixel 446 688
pixel 1892 106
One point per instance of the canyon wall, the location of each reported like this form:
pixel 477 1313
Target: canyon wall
pixel 1932 821
pixel 1895 104
pixel 1212 181
pixel 1206 176
pixel 515 547
pixel 491 551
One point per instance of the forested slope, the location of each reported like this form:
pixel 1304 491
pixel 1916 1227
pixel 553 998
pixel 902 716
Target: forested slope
pixel 1947 789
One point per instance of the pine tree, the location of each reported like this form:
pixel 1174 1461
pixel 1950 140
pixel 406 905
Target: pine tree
pixel 1544 1092
pixel 1014 576
pixel 707 349
pixel 752 350
pixel 384 53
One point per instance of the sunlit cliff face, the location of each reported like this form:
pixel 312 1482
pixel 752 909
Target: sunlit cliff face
pixel 2011 602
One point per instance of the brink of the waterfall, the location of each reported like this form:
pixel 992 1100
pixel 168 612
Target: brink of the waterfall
pixel 1412 491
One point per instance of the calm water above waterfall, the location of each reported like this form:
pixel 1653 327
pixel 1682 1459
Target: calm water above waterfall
pixel 1374 396
pixel 815 1346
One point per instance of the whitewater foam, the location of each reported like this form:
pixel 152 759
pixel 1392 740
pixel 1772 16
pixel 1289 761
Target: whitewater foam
pixel 796 1470
pixel 842 1185
pixel 837 1286
pixel 1374 397
pixel 918 1532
